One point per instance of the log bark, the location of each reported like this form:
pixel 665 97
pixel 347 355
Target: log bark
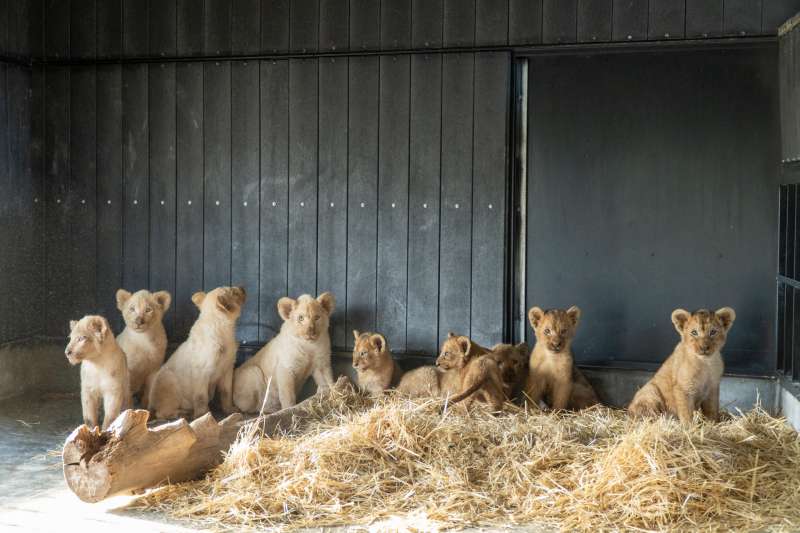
pixel 129 456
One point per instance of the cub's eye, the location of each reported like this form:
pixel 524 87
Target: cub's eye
pixel 149 309
pixel 712 333
pixel 131 309
pixel 301 318
pixel 694 333
pixel 316 318
pixel 363 354
pixel 563 332
pixel 547 331
pixel 82 338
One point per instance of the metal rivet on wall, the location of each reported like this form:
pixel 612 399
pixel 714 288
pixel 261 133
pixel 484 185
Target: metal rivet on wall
pixel 424 206
pixel 302 204
pixel 36 200
pixel 630 37
pixel 594 37
pixel 58 201
pixel 331 204
pixel 456 206
pixel 162 202
pixel 274 204
pixel 189 202
pixel 83 201
pixel 490 206
pixel 362 204
pixel 333 47
pixel 135 202
pixel 392 205
pixel 244 204
pixel 108 202
pixel 705 35
pixel 666 35
pixel 216 203
pixel 742 33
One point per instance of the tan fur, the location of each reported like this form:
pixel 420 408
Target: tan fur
pixel 273 377
pixel 478 372
pixel 203 365
pixel 376 370
pixel 512 360
pixel 104 371
pixel 689 378
pixel 144 339
pixel 552 375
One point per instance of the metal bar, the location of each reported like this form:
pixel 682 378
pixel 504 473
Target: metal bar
pixel 19 61
pixel 783 192
pixel 519 51
pixel 780 335
pixel 789 282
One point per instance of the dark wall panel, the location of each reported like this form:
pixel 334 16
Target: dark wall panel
pixel 163 28
pixel 524 22
pixel 136 27
pixel 667 19
pixel 364 24
pixel 217 39
pixel 396 24
pixel 776 12
pixel 630 20
pixel 594 20
pixel 246 26
pixel 602 230
pixel 274 193
pixel 704 18
pixel 559 23
pixel 423 201
pixel 304 28
pixel 109 27
pixel 742 17
pixel 427 24
pixel 303 137
pixel 82 40
pixel 362 190
pixel 163 222
pixel 275 25
pixel 332 215
pixel 490 160
pixel 334 25
pixel 245 198
pixel 393 161
pixel 190 27
pixel 459 23
pixel 491 22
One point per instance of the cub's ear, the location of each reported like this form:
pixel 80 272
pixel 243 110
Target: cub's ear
pixel 679 318
pixel 327 301
pixel 122 298
pixel 521 347
pixel 99 327
pixel 163 299
pixel 726 315
pixel 228 301
pixel 356 334
pixel 239 294
pixel 535 316
pixel 574 314
pixel 450 335
pixel 465 344
pixel 72 324
pixel 379 341
pixel 197 298
pixel 285 307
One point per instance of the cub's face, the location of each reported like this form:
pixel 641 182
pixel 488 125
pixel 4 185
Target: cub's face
pixel 368 350
pixel 142 309
pixel 512 361
pixel 555 327
pixel 86 338
pixel 307 318
pixel 224 302
pixel 704 332
pixel 454 352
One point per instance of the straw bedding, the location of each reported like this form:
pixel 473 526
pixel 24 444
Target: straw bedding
pixel 364 462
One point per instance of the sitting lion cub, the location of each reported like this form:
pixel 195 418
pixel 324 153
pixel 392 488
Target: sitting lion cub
pixel 376 370
pixel 552 376
pixel 301 349
pixel 690 377
pixel 144 339
pixel 203 364
pixel 512 360
pixel 478 372
pixel 104 372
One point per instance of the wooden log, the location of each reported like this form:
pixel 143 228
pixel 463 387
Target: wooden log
pixel 129 456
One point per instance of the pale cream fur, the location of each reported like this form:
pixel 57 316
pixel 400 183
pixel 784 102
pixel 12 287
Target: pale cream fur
pixel 104 371
pixel 144 339
pixel 203 365
pixel 271 379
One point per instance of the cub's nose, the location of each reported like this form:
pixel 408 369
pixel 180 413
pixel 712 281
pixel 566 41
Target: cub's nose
pixel 67 352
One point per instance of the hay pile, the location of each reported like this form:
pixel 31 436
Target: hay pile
pixel 595 470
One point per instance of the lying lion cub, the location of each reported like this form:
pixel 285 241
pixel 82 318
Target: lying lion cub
pixel 376 370
pixel 144 339
pixel 512 360
pixel 690 377
pixel 478 372
pixel 203 364
pixel 104 372
pixel 301 349
pixel 552 376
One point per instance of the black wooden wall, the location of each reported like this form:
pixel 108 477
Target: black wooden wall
pixel 88 29
pixel 653 185
pixel 381 179
pixel 21 201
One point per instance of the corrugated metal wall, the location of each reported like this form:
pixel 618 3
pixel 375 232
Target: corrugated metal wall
pixel 21 202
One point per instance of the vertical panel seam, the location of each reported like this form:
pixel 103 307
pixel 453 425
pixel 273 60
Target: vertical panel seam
pixel 377 186
pixel 472 196
pixel 441 184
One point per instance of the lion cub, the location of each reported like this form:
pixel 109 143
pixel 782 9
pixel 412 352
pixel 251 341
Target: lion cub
pixel 203 364
pixel 301 349
pixel 690 377
pixel 104 371
pixel 552 375
pixel 144 339
pixel 376 370
pixel 478 371
pixel 512 360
